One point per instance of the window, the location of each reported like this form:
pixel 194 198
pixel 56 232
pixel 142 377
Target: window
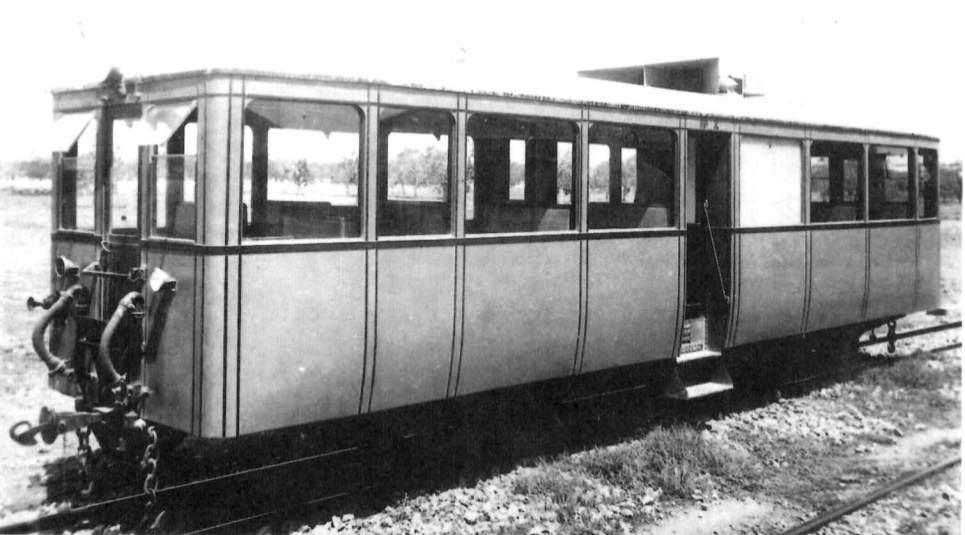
pixel 770 181
pixel 835 173
pixel 175 174
pixel 302 176
pixel 889 184
pixel 519 174
pixel 927 183
pixel 632 177
pixel 124 171
pixel 414 172
pixel 77 178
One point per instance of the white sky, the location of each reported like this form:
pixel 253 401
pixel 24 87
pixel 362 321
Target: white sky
pixel 896 57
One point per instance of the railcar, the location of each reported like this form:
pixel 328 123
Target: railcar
pixel 237 251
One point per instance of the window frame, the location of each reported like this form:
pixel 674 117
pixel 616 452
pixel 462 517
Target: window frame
pixel 60 154
pixel 921 201
pixel 577 204
pixel 675 194
pixel 860 202
pixel 362 187
pixel 873 203
pixel 452 171
pixel 152 181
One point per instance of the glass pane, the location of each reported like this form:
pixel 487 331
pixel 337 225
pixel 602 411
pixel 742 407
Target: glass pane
pixel 69 127
pixel 301 180
pixel 77 182
pixel 175 172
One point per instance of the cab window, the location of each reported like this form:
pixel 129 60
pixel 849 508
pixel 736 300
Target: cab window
pixel 77 179
pixel 174 181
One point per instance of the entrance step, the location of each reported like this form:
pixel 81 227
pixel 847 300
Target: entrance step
pixel 697 355
pixel 682 386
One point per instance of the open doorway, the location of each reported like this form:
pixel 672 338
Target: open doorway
pixel 707 212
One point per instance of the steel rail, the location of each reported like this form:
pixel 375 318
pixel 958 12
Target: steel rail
pixel 912 333
pixel 59 518
pixel 854 505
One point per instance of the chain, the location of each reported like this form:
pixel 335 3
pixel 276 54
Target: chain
pixel 86 456
pixel 149 466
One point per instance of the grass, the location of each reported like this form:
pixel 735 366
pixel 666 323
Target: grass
pixel 915 372
pixel 676 460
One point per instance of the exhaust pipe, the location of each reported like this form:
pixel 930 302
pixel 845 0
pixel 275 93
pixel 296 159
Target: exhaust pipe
pixel 55 364
pixel 133 302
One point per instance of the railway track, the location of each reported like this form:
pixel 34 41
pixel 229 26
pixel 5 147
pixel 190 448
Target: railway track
pixel 856 504
pixel 258 490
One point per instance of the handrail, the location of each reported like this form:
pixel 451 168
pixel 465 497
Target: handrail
pixel 713 246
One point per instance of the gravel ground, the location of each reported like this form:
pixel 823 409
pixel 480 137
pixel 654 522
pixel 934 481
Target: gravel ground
pixel 806 454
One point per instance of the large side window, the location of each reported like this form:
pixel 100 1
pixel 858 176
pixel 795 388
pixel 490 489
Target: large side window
pixel 302 178
pixel 175 179
pixel 835 176
pixel 77 178
pixel 519 175
pixel 770 181
pixel 927 183
pixel 414 172
pixel 632 177
pixel 889 183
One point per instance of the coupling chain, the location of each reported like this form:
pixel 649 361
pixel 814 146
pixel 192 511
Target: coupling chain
pixel 86 457
pixel 149 467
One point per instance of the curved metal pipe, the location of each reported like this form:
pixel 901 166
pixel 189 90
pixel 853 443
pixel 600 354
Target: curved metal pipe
pixel 105 368
pixel 55 364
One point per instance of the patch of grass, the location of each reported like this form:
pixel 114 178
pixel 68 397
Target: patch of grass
pixel 675 459
pixel 917 372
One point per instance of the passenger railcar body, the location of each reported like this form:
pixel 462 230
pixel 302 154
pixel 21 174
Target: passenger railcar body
pixel 345 246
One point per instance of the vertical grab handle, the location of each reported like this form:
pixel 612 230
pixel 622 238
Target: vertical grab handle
pixel 713 246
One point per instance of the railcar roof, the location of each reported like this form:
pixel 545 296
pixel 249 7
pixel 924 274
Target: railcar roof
pixel 575 90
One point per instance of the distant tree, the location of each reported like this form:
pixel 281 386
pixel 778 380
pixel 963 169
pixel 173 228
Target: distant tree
pixel 347 171
pixel 36 168
pixel 564 172
pixel 600 179
pixel 629 176
pixel 433 169
pixel 302 175
pixel 950 175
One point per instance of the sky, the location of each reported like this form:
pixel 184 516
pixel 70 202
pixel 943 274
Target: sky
pixel 884 57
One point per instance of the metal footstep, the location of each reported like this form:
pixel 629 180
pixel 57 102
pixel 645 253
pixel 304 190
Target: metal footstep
pixel 687 383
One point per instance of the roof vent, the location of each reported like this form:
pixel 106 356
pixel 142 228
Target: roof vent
pixel 694 76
